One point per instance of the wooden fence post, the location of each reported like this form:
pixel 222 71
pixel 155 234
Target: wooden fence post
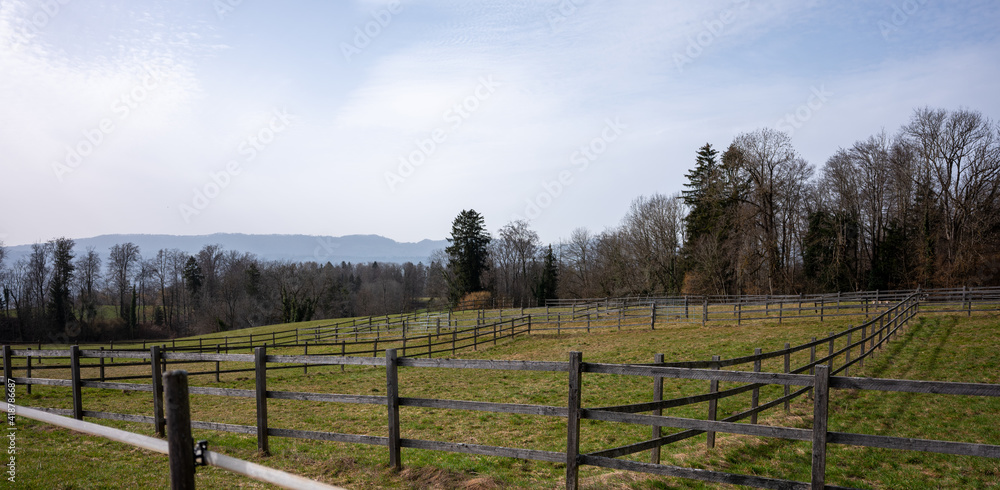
pixel 28 375
pixel 788 367
pixel 847 355
pixel 392 401
pixel 821 399
pixel 260 371
pixel 573 420
pixel 704 311
pixel 217 364
pixel 305 352
pixel 101 361
pixel 832 340
pixel 74 362
pixel 881 328
pixel 654 456
pixel 713 405
pixel 154 365
pixel 180 444
pixel 8 368
pixel 864 345
pixel 652 316
pixel 755 394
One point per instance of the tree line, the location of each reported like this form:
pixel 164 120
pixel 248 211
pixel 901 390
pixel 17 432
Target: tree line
pixel 59 295
pixel 916 208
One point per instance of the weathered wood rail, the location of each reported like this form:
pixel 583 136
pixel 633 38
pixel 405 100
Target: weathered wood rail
pixel 592 314
pixel 818 375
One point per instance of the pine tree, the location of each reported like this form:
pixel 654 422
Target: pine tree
pixel 468 254
pixel 704 193
pixel 549 279
pixel 60 305
pixel 193 278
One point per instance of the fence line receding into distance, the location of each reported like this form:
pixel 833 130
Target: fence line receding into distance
pixel 845 349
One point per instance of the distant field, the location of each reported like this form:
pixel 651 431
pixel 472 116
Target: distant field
pixel 949 348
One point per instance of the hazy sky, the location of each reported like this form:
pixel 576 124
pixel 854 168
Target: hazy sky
pixel 358 117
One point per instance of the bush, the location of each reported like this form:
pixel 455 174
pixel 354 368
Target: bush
pixel 475 301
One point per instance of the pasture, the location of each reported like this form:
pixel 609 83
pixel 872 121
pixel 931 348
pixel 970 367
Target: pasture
pixel 933 347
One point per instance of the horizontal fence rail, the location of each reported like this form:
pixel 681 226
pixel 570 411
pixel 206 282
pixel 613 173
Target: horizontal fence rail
pixel 567 315
pixel 830 361
pixel 212 458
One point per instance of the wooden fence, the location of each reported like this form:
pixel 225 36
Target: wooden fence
pixel 443 341
pixel 182 455
pixel 566 315
pixel 819 374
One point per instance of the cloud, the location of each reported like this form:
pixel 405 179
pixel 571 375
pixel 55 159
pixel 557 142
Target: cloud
pixel 562 68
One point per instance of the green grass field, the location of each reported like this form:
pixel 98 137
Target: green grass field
pixel 948 348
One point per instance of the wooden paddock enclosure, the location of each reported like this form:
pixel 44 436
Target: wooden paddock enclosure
pixel 823 372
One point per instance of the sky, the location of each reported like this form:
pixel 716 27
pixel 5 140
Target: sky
pixel 347 117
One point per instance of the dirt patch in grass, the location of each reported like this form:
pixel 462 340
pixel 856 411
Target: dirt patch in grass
pixel 438 478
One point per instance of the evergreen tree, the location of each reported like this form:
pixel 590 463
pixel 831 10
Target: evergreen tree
pixel 716 186
pixel 193 277
pixel 704 193
pixel 133 313
pixel 549 279
pixel 468 254
pixel 60 305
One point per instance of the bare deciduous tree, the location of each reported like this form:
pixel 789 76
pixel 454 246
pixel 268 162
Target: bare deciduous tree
pixel 515 254
pixel 123 262
pixel 960 150
pixel 88 277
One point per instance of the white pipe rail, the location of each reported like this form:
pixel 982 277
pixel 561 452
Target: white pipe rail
pixel 252 470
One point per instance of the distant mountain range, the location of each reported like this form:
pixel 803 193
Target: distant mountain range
pixel 293 248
